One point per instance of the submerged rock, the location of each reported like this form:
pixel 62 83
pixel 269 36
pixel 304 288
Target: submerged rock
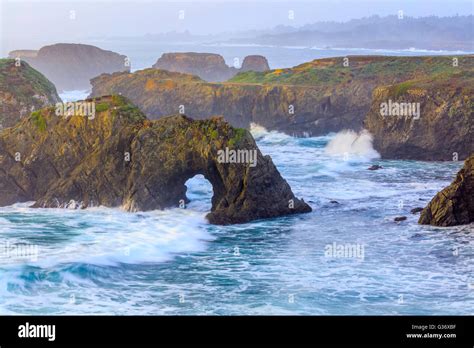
pixel 416 210
pixel 22 90
pixel 119 158
pixel 454 205
pixel 400 218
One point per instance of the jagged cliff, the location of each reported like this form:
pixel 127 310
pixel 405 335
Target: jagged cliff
pixel 119 158
pixel 442 128
pixel 71 66
pixel 454 205
pixel 22 90
pixel 314 98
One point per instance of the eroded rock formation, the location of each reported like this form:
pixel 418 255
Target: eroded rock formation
pixel 254 63
pixel 119 158
pixel 22 90
pixel 71 66
pixel 454 205
pixel 208 66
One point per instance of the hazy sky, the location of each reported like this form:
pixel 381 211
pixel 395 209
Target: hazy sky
pixel 31 24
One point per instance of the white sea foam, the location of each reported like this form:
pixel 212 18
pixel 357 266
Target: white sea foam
pixel 352 145
pixel 275 137
pixel 277 257
pixel 110 236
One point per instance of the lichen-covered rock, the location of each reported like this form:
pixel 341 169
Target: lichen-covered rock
pixel 454 205
pixel 430 119
pixel 22 90
pixel 119 158
pixel 71 66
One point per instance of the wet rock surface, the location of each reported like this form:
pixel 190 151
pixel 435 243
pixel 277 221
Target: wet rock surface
pixel 454 205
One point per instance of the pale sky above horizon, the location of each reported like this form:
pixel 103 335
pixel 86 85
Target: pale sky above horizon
pixel 34 23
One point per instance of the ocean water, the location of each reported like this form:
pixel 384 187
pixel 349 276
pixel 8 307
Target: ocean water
pixel 172 262
pixel 143 54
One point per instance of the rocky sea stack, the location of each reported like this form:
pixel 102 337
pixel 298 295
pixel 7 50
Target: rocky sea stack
pixel 255 63
pixel 454 205
pixel 118 158
pixel 71 66
pixel 210 67
pixel 22 90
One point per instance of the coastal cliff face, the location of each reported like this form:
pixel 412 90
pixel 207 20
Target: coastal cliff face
pixel 315 98
pixel 71 66
pixel 208 66
pixel 22 90
pixel 295 110
pixel 119 158
pixel 454 205
pixel 425 119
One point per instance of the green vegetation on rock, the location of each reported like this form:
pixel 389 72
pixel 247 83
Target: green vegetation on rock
pixel 101 107
pixel 22 89
pixel 38 120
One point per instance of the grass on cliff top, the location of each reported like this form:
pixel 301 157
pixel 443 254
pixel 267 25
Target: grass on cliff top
pixel 20 80
pixel 123 109
pixel 461 82
pixel 331 71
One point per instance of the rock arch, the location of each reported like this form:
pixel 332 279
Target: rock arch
pixel 83 160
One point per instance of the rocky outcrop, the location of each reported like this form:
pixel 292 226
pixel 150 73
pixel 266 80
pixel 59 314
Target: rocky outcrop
pixel 295 110
pixel 254 63
pixel 424 119
pixel 325 95
pixel 71 66
pixel 210 67
pixel 22 90
pixel 119 158
pixel 454 205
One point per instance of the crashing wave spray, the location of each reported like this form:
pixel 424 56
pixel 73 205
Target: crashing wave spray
pixel 350 143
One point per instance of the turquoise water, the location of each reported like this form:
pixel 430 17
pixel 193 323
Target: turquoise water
pixel 106 261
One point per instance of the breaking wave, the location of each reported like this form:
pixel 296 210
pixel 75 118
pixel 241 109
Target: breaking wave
pixel 351 144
